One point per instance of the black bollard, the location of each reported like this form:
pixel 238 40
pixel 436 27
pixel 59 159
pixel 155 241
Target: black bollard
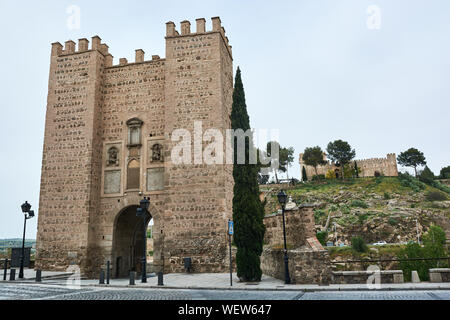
pixel 38 275
pixel 102 277
pixel 12 274
pixel 160 279
pixel 108 265
pixel 5 269
pixel 131 278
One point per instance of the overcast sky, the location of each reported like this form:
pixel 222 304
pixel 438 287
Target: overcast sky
pixel 317 70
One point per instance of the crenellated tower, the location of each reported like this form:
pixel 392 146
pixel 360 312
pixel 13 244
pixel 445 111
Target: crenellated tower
pixel 108 144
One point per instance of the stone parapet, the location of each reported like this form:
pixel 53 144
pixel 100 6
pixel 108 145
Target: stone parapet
pixel 362 277
pixel 440 275
pixel 305 266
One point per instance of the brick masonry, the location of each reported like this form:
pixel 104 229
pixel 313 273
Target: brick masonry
pixel 103 122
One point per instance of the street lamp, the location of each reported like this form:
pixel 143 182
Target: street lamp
pixel 282 198
pixel 142 211
pixel 28 214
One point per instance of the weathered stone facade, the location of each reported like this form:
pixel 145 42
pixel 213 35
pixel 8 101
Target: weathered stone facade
pixel 299 227
pixel 108 144
pixel 369 167
pixel 307 264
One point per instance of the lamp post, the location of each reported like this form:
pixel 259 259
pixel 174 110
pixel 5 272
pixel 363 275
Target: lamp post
pixel 282 198
pixel 142 210
pixel 28 214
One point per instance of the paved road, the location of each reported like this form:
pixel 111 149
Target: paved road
pixel 47 292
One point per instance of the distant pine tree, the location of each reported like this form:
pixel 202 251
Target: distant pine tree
pixel 248 211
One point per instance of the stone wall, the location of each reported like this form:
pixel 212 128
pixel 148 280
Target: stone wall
pixel 305 266
pixel 89 156
pixel 369 167
pixel 299 227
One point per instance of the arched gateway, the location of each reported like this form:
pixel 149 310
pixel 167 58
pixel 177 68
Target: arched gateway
pixel 128 241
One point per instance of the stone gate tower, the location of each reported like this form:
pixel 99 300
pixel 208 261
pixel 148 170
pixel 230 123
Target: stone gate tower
pixel 108 144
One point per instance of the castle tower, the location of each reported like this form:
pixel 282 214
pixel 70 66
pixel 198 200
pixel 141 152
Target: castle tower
pixel 108 143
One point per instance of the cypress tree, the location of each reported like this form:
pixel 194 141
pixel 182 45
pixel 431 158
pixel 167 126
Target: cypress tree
pixel 248 211
pixel 304 176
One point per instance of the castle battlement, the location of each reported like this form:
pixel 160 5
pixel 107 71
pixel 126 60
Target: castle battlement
pixel 370 167
pixel 71 48
pixel 185 28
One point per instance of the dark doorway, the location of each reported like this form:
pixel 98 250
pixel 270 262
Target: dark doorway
pixel 128 242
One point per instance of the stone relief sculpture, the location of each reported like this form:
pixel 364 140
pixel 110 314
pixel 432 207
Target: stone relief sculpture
pixel 157 152
pixel 113 157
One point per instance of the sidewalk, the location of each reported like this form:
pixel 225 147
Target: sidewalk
pixel 221 281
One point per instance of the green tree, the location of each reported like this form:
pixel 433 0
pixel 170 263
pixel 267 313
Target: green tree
pixel 413 251
pixel 445 173
pixel 427 175
pixel 287 158
pixel 359 245
pixel 322 236
pixel 341 153
pixel 284 160
pixel 412 158
pixel 434 247
pixel 313 157
pixel 248 211
pixel 304 176
pixel 434 244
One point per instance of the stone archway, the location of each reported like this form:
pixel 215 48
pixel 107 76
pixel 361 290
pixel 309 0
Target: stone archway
pixel 128 241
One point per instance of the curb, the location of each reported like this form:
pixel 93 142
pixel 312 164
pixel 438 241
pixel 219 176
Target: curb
pixel 318 289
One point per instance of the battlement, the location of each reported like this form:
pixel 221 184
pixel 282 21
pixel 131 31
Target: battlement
pixel 70 47
pixel 185 28
pixel 389 157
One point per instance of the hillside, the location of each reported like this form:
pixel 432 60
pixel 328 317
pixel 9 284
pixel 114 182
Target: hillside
pixel 377 209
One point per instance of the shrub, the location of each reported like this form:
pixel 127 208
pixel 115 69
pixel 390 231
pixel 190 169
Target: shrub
pixel 392 221
pixel 445 173
pixel 426 176
pixel 436 196
pixel 413 250
pixel 440 186
pixel 330 174
pixel 345 210
pixel 409 181
pixel 318 177
pixel 359 245
pixel 322 236
pixel 434 241
pixel 386 196
pixel 359 204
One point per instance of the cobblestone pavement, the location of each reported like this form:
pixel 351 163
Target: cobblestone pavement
pixel 48 292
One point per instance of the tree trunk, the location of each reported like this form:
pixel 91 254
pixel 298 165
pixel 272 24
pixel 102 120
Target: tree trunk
pixel 415 171
pixel 276 177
